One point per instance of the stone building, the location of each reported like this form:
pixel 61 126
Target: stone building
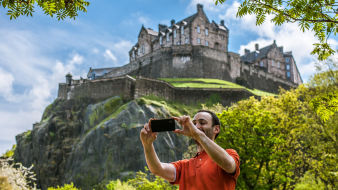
pixel 198 48
pixel 195 30
pixel 273 60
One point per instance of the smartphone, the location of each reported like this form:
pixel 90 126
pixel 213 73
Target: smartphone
pixel 162 125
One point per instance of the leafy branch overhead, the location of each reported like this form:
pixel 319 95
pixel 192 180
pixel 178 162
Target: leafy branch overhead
pixel 320 16
pixel 59 8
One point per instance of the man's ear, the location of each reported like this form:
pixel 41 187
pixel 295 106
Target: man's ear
pixel 217 129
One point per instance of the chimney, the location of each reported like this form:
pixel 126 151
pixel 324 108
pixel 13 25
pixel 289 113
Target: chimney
pixel 222 22
pixel 172 22
pixel 256 47
pixel 246 51
pixel 199 7
pixel 274 41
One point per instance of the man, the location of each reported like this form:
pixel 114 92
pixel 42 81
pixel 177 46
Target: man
pixel 212 168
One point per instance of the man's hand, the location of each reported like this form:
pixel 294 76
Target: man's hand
pixel 188 128
pixel 147 136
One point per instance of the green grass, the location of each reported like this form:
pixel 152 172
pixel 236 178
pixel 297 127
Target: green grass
pixel 211 83
pixel 174 108
pixel 261 92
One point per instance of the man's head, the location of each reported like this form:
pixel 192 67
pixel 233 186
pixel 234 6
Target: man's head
pixel 207 122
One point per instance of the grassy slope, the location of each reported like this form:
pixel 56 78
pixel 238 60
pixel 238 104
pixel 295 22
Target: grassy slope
pixel 211 83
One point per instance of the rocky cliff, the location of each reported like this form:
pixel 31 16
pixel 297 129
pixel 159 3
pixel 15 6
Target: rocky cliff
pixel 88 142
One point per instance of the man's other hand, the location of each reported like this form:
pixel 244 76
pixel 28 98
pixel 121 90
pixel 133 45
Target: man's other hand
pixel 146 135
pixel 188 128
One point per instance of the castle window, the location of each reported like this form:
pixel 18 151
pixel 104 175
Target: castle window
pixel 287 67
pixel 206 43
pixel 198 41
pixel 273 63
pixel 168 37
pixel 278 64
pixel 198 29
pixel 287 59
pixel 222 37
pixel 206 32
pixel 186 40
pixel 178 43
pixel 288 74
pixel 174 33
pixel 182 30
pixel 142 49
pixel 161 40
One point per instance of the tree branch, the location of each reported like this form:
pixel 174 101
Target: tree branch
pixel 290 17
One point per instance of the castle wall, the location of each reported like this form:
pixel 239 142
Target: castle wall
pixel 235 65
pixel 184 61
pixel 98 89
pixel 259 79
pixel 130 88
pixel 146 87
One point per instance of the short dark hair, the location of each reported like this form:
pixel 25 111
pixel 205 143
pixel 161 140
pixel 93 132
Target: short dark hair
pixel 215 119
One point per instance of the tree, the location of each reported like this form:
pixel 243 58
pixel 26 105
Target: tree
pixel 318 15
pixel 283 140
pixel 59 8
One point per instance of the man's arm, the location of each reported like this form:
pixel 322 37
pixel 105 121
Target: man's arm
pixel 216 153
pixel 164 170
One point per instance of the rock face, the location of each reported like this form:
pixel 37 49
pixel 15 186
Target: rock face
pixel 85 143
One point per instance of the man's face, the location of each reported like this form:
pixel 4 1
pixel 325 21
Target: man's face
pixel 203 121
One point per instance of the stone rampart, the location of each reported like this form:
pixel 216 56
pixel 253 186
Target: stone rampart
pixel 130 88
pixel 98 89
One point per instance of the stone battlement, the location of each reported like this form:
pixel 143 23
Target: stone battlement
pixel 131 88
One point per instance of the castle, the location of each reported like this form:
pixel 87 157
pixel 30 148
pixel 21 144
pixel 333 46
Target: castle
pixel 196 48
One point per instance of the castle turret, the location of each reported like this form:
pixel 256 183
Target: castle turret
pixel 69 79
pixel 172 22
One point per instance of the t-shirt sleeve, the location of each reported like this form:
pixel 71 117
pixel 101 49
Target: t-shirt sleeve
pixel 235 156
pixel 178 165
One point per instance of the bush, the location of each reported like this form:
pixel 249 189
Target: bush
pixel 15 176
pixel 309 182
pixel 118 185
pixel 4 185
pixel 65 187
pixel 145 181
pixel 10 153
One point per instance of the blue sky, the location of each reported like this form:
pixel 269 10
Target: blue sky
pixel 37 52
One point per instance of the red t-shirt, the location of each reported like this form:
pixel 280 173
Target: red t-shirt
pixel 202 173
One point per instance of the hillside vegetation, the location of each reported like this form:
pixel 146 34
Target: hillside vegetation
pixel 211 83
pixel 287 141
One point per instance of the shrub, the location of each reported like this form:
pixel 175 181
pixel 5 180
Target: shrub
pixel 65 187
pixel 4 185
pixel 10 153
pixel 15 176
pixel 309 182
pixel 118 185
pixel 145 181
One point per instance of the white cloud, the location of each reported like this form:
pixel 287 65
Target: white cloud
pixel 29 79
pixel 109 55
pixel 77 59
pixel 6 82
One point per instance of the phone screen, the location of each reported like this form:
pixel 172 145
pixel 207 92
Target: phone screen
pixel 161 125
